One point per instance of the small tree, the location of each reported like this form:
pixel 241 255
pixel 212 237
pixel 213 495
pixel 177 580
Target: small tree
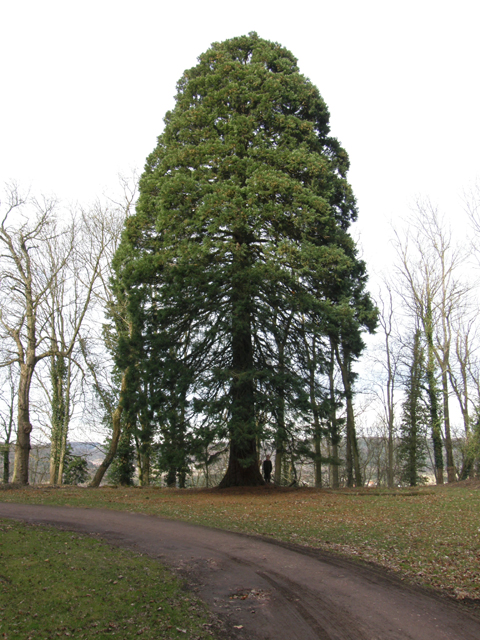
pixel 122 469
pixel 75 468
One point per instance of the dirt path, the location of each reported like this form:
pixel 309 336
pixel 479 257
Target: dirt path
pixel 272 591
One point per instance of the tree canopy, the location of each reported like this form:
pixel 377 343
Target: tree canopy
pixel 239 256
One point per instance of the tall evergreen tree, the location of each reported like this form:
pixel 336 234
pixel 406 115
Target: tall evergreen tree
pixel 243 213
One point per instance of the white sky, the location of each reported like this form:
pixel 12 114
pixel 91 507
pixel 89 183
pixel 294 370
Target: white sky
pixel 85 85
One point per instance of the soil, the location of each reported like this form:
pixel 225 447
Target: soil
pixel 264 590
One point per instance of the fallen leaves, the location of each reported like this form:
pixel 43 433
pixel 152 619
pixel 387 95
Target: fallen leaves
pixel 428 535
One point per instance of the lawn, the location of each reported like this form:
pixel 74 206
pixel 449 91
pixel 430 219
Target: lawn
pixel 429 536
pixel 56 584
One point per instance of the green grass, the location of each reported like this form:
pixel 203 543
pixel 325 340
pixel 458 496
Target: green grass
pixel 58 584
pixel 430 536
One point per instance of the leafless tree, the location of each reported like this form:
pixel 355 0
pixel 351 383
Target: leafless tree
pixel 96 350
pixel 388 356
pixel 36 254
pixel 8 394
pixel 435 291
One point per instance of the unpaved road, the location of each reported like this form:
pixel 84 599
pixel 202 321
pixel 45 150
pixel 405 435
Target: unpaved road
pixel 273 591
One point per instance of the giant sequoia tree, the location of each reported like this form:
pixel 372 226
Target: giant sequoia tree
pixel 242 219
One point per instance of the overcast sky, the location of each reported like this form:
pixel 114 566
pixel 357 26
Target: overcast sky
pixel 85 85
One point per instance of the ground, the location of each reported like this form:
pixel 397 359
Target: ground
pixel 267 590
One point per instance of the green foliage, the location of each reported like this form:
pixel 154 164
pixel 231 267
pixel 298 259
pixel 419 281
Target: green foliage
pixel 412 451
pixel 75 468
pixel 76 471
pixel 239 245
pixel 471 449
pixel 122 469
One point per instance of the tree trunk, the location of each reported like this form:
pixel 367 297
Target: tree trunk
pixel 354 475
pixel 432 395
pixel 242 464
pixel 317 432
pixel 390 477
pixel 65 425
pixel 334 435
pixel 390 426
pixel 318 461
pixel 279 453
pixel 6 463
pixel 242 467
pixel 451 475
pixel 317 435
pixel 171 477
pixel 116 431
pixel 63 451
pixel 57 375
pixel 280 436
pixel 8 435
pixel 24 428
pixel 143 457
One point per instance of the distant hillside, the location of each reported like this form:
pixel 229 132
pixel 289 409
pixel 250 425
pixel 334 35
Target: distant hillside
pixel 94 452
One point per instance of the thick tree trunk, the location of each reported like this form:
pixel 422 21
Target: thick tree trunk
pixel 281 335
pixel 143 458
pixel 242 467
pixel 239 474
pixel 171 477
pixel 277 473
pixel 24 428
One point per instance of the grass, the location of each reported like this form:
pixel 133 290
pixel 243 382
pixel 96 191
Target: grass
pixel 430 536
pixel 55 584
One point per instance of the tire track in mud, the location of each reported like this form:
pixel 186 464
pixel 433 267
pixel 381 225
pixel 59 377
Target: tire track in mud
pixel 265 590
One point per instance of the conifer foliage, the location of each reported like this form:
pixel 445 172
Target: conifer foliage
pixel 241 227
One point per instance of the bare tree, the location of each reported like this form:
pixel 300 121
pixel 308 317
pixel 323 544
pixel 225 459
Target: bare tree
pixel 36 253
pixel 391 353
pixel 8 396
pixel 434 292
pixel 97 346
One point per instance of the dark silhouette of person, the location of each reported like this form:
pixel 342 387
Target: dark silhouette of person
pixel 267 468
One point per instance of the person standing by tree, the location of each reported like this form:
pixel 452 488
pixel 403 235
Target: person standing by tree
pixel 267 469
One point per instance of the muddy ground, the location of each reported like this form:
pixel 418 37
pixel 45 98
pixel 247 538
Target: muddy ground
pixel 265 590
